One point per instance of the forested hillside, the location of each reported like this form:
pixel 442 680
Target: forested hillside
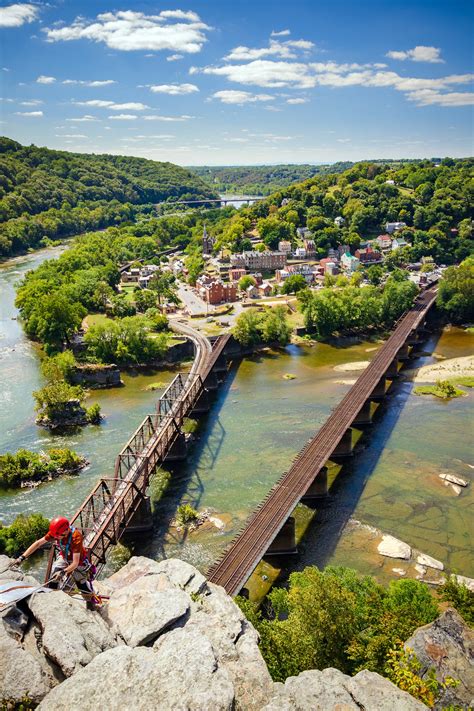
pixel 435 201
pixel 262 179
pixel 45 193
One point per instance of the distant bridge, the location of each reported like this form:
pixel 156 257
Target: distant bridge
pixel 204 201
pixel 119 502
pixel 270 530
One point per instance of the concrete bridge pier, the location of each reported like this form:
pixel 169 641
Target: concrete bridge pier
pixel 285 541
pixel 344 448
pixel 404 352
pixel 380 390
pixel 364 416
pixel 392 370
pixel 178 450
pixel 142 519
pixel 319 488
pixel 220 364
pixel 413 338
pixel 202 404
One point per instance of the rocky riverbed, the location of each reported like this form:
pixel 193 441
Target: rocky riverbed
pixel 168 639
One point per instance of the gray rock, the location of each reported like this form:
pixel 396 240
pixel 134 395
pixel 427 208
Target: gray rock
pixel 136 568
pixel 393 548
pixel 20 673
pixel 180 673
pixel 145 608
pixel 15 622
pixel 331 690
pixel 71 635
pixel 15 573
pixel 447 645
pixel 428 561
pixel 183 575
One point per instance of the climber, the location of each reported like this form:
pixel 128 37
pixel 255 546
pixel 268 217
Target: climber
pixel 72 560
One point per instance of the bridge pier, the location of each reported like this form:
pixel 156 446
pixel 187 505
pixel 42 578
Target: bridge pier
pixel 212 381
pixel 178 450
pixel 344 447
pixel 364 416
pixel 142 520
pixel 202 404
pixel 285 541
pixel 413 338
pixel 392 370
pixel 379 392
pixel 404 352
pixel 319 488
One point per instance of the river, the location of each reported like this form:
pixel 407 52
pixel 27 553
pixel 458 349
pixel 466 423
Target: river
pixel 257 424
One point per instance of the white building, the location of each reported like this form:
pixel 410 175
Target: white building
pixel 392 227
pixel 339 221
pixel 349 263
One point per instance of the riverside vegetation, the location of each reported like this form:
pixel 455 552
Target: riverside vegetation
pixel 28 468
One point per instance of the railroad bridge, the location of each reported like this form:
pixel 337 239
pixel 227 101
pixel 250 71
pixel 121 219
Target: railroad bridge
pixel 119 503
pixel 270 529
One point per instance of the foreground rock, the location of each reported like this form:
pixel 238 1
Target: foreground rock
pixel 168 639
pixel 447 645
pixel 393 548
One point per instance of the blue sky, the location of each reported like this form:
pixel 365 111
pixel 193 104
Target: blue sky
pixel 240 83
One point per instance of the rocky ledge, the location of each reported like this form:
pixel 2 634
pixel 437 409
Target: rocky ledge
pixel 166 639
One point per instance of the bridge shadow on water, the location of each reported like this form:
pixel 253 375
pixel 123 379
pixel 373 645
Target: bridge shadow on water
pixel 332 515
pixel 185 485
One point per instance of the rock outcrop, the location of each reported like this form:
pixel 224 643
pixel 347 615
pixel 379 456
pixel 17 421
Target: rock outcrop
pixel 447 646
pixel 92 375
pixel 166 639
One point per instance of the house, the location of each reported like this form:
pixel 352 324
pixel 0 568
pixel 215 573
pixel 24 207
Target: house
pixel 310 247
pixel 237 273
pixel 251 292
pixel 281 275
pixel 368 256
pixel 168 308
pixel 259 261
pixel 300 253
pixel 384 242
pixel 343 249
pixel 392 227
pixel 328 266
pixel 339 221
pixel 284 202
pixel 258 276
pixel 389 182
pixel 333 254
pixel 349 263
pixel 265 289
pixel 303 232
pixel 398 243
pixel 284 246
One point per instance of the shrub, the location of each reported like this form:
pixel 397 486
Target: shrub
pixel 186 514
pixel 24 530
pixel 93 414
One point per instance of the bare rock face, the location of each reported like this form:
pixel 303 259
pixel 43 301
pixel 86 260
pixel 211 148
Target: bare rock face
pixel 181 672
pixel 447 645
pixel 20 673
pixel 71 635
pixel 393 548
pixel 145 608
pixel 331 690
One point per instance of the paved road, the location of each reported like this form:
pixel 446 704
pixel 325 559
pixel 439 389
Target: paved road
pixel 192 301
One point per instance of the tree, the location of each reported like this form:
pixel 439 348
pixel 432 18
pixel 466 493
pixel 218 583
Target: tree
pixel 246 329
pixel 164 285
pixel 24 530
pixel 144 299
pixel 246 281
pixel 456 292
pixel 374 274
pixel 58 367
pixel 275 327
pixel 272 230
pixel 125 341
pixel 52 400
pixel 293 284
pixel 55 320
pixel 195 266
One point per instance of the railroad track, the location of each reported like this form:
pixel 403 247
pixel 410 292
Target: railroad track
pixel 250 545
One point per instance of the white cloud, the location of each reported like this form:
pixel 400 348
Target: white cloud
pixel 156 117
pixel 429 97
pixel 33 102
pixel 104 82
pixel 17 14
pixel 30 114
pixel 418 54
pixel 343 140
pixel 283 33
pixel 123 117
pixel 172 30
pixel 265 73
pixel 231 96
pixel 45 80
pixel 297 101
pixel 71 135
pixel 174 89
pixel 174 57
pixel 101 104
pixel 285 50
pixel 85 118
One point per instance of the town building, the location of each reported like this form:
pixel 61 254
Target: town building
pixel 237 273
pixel 368 256
pixel 339 221
pixel 300 253
pixel 392 227
pixel 328 266
pixel 384 242
pixel 333 254
pixel 265 289
pixel 310 248
pixel 215 291
pixel 207 243
pixel 252 291
pixel 305 270
pixel 399 242
pixel 343 249
pixel 284 246
pixel 304 232
pixel 259 261
pixel 349 263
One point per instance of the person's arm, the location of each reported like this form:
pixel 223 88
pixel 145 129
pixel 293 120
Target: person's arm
pixel 76 557
pixel 34 547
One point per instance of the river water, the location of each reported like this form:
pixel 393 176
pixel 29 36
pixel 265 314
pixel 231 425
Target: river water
pixel 257 424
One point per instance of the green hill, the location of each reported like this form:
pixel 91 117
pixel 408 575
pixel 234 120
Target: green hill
pixel 46 193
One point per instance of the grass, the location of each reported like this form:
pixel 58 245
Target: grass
pixel 129 293
pixel 96 319
pixel 442 389
pixel 466 380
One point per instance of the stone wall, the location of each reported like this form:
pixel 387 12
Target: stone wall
pixel 96 376
pixel 166 639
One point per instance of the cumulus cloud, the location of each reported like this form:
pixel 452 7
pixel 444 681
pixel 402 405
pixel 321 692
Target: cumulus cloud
pixel 282 33
pixel 418 54
pixel 430 97
pixel 285 50
pixel 265 73
pixel 174 89
pixel 30 114
pixel 42 79
pixel 297 101
pixel 172 30
pixel 71 135
pixel 174 57
pixel 123 117
pixel 99 83
pixel 101 104
pixel 17 14
pixel 231 96
pixel 32 102
pixel 84 119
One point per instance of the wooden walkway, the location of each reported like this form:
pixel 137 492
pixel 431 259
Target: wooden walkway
pixel 245 552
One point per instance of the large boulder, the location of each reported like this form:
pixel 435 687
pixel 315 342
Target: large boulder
pixel 71 635
pixel 179 573
pixel 145 608
pixel 20 674
pixel 331 690
pixel 447 646
pixel 180 672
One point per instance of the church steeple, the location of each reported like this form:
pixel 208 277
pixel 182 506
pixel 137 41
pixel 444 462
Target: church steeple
pixel 207 242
